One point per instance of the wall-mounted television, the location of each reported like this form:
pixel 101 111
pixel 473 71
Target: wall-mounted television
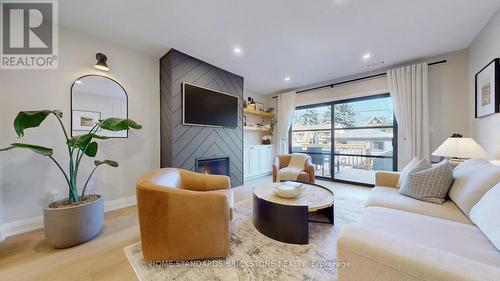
pixel 206 107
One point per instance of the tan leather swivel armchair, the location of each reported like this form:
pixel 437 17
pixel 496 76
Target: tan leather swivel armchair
pixel 282 161
pixel 184 215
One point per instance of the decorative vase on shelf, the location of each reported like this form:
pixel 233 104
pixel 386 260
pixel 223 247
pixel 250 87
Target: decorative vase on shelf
pixel 266 139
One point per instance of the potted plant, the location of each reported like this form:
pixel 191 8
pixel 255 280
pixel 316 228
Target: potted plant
pixel 78 218
pixel 270 124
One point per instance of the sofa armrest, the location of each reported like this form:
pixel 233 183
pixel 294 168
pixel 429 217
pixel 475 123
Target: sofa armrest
pixel 389 179
pixel 310 169
pixel 169 220
pixel 374 255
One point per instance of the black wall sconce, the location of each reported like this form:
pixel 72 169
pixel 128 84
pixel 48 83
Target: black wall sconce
pixel 101 62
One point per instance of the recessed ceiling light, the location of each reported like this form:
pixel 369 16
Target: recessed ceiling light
pixel 367 56
pixel 78 82
pixel 237 50
pixel 287 78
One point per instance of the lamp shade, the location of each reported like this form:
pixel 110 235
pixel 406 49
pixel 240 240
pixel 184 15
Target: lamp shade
pixel 460 148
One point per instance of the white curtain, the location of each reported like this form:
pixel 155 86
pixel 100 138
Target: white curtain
pixel 409 91
pixel 286 109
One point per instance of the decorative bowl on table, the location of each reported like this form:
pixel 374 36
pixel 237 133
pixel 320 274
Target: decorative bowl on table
pixel 288 189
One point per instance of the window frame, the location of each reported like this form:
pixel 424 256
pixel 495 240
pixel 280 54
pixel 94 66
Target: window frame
pixel 332 154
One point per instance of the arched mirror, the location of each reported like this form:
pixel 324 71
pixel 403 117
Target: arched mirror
pixel 93 98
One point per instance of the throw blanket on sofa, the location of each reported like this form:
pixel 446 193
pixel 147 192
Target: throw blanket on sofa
pixel 296 165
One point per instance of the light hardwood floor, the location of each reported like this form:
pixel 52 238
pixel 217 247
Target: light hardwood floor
pixel 29 257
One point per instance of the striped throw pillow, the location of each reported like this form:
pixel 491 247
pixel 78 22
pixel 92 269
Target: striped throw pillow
pixel 429 183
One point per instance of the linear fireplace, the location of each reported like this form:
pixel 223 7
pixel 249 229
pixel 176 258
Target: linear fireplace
pixel 213 166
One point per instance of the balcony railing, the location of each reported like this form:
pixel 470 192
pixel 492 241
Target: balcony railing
pixel 352 162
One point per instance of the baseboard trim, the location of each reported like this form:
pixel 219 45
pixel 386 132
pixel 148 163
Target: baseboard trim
pixel 258 176
pixel 33 223
pixel 119 203
pixel 20 226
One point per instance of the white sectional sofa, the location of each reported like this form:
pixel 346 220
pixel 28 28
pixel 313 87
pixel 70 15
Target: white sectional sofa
pixel 401 238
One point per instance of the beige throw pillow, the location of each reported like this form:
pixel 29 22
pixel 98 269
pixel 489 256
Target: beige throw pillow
pixel 430 184
pixel 405 170
pixel 298 160
pixel 485 215
pixel 472 179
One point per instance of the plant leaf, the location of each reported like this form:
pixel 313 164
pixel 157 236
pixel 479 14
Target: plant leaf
pixel 107 162
pixel 118 124
pixel 91 149
pixel 82 141
pixel 45 151
pixel 31 119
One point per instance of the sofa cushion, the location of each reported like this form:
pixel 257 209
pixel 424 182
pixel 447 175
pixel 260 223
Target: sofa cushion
pixel 430 185
pixel 389 197
pixel 461 239
pixel 377 256
pixel 472 179
pixel 405 170
pixel 485 215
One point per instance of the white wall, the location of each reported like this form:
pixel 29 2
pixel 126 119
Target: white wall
pixel 447 90
pixel 26 178
pixel 346 91
pixel 449 109
pixel 484 48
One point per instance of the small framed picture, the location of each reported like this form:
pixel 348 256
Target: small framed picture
pixel 488 89
pixel 84 120
pixel 259 106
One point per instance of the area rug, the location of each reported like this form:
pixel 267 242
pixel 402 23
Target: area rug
pixel 257 257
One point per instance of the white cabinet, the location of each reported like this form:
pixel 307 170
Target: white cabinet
pixel 257 160
pixel 246 162
pixel 254 161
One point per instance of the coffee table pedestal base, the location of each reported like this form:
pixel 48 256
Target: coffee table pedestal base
pixel 289 224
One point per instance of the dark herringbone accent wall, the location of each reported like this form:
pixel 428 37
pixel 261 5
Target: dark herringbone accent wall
pixel 180 144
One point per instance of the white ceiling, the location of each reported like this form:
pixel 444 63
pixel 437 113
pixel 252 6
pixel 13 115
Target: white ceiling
pixel 309 40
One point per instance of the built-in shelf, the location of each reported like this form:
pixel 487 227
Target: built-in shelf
pixel 250 128
pixel 258 112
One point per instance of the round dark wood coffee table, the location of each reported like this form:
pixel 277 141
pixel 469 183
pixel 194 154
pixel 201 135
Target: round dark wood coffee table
pixel 287 220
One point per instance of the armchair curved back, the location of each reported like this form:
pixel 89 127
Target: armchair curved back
pixel 183 215
pixel 183 179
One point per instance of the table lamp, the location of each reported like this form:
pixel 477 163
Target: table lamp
pixel 458 149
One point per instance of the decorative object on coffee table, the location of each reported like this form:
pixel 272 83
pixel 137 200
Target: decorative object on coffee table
pixel 287 220
pixel 288 189
pixel 488 89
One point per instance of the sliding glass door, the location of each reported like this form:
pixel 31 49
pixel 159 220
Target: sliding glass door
pixel 312 134
pixel 360 141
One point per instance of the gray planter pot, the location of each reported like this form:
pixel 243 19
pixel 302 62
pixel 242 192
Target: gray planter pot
pixel 71 226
